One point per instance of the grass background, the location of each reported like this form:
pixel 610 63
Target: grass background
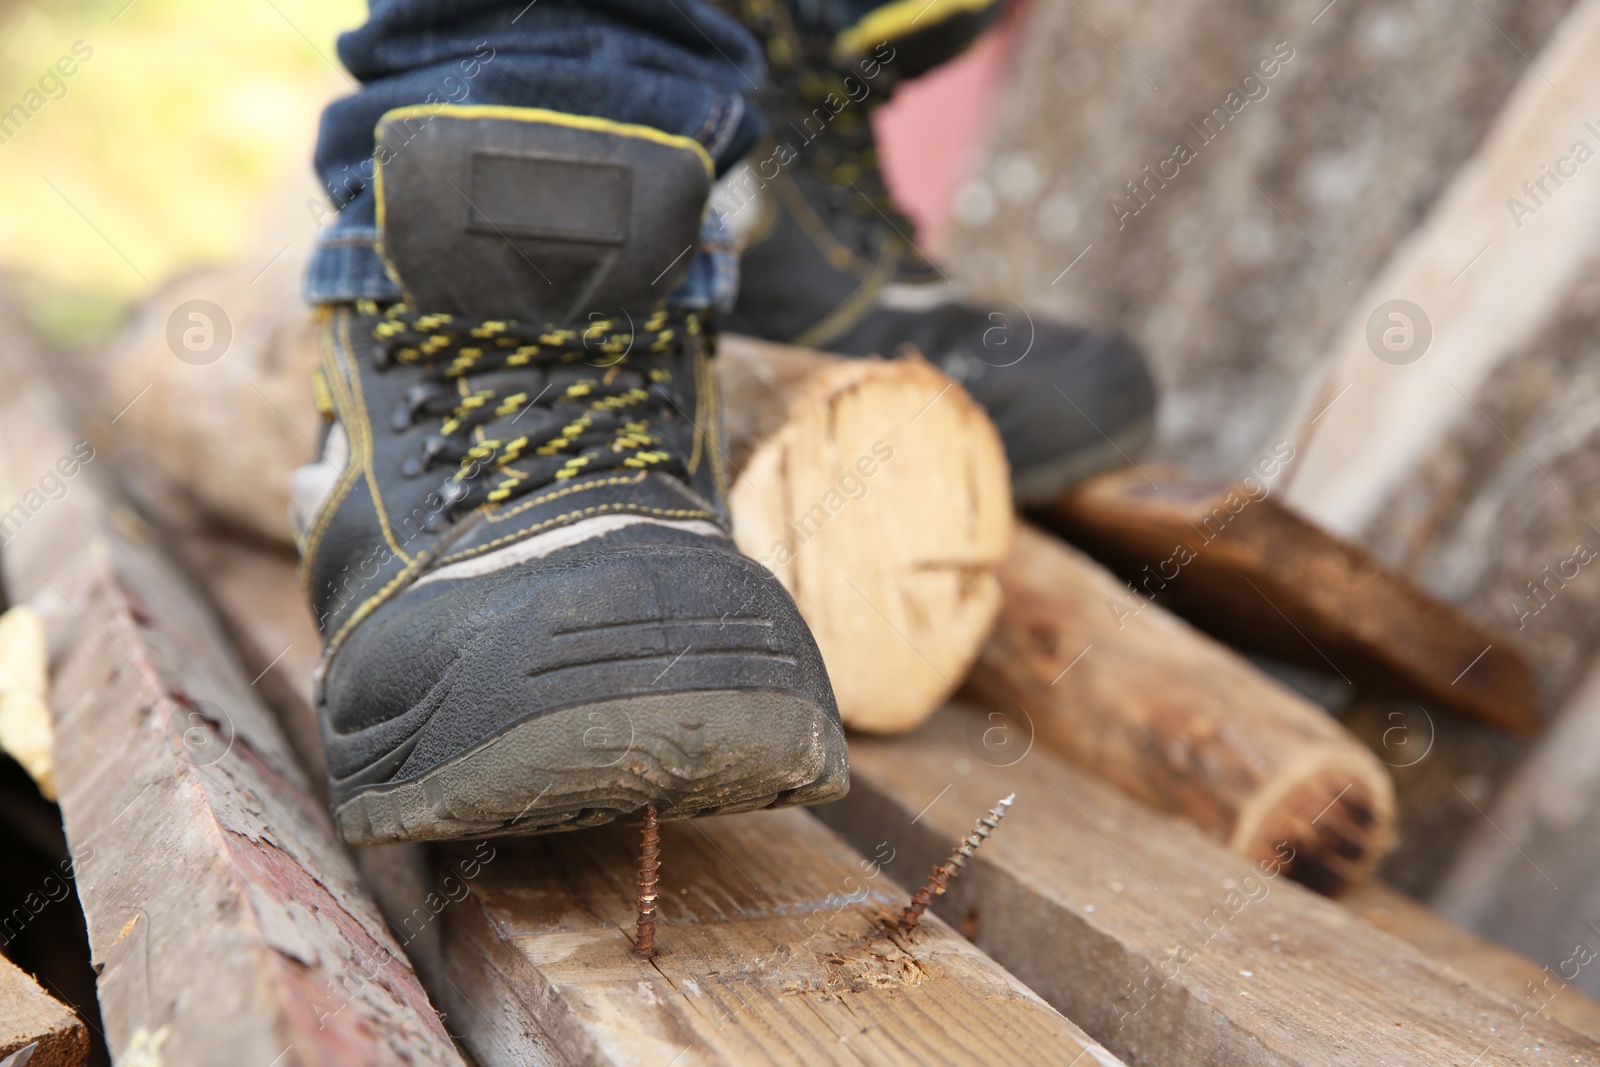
pixel 165 147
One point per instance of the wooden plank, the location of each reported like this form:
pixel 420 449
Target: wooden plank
pixel 773 948
pixel 1494 967
pixel 1232 560
pixel 222 912
pixel 1233 175
pixel 31 1017
pixel 1174 719
pixel 1164 946
pixel 769 950
pixel 1470 465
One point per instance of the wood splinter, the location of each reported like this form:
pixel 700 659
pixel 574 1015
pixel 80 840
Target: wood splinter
pixel 939 881
pixel 649 879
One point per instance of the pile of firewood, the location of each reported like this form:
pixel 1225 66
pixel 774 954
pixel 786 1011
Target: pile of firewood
pixel 1187 871
pixel 991 656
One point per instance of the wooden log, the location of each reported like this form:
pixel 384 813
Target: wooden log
pixel 222 911
pixel 1494 967
pixel 1232 560
pixel 1176 720
pixel 1164 946
pixel 770 948
pixel 877 492
pixel 32 1018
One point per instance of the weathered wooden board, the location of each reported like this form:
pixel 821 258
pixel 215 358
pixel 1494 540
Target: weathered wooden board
pixel 31 1017
pixel 1169 716
pixel 1469 462
pixel 1494 967
pixel 1231 559
pixel 772 949
pixel 1161 944
pixel 769 950
pixel 222 911
pixel 1315 136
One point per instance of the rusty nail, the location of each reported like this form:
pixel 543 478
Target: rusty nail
pixel 939 881
pixel 649 879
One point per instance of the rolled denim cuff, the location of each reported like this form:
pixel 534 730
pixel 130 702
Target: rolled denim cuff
pixel 345 265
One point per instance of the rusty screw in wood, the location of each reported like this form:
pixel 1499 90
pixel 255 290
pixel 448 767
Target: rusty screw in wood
pixel 939 881
pixel 649 880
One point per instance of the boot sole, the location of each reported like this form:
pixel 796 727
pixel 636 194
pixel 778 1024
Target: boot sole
pixel 688 753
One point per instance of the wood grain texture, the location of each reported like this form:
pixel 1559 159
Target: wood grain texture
pixel 1257 575
pixel 768 951
pixel 1494 967
pixel 30 1016
pixel 1166 947
pixel 222 912
pixel 1125 690
pixel 773 947
pixel 877 492
pixel 1473 468
pixel 1237 261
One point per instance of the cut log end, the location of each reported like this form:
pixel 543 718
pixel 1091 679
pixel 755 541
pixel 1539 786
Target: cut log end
pixel 1327 829
pixel 882 503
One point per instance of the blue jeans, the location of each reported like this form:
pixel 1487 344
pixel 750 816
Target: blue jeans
pixel 681 66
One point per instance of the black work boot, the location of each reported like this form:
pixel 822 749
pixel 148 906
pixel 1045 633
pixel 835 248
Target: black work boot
pixel 516 544
pixel 827 261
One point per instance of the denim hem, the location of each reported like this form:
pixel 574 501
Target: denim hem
pixel 345 267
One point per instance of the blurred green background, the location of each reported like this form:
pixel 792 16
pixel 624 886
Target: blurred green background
pixel 156 155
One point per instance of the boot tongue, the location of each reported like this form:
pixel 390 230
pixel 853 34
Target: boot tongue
pixel 534 215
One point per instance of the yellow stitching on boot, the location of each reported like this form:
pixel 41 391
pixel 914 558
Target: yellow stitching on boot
pixel 327 343
pixel 631 509
pixel 553 118
pixel 365 442
pixel 320 393
pixel 368 606
pixel 855 307
pixel 631 479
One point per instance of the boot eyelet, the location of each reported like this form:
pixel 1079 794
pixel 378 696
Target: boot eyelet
pixel 412 467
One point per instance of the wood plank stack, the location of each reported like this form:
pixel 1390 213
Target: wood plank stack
pixel 1471 463
pixel 1057 898
pixel 1164 946
pixel 775 940
pixel 222 911
pixel 1313 137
